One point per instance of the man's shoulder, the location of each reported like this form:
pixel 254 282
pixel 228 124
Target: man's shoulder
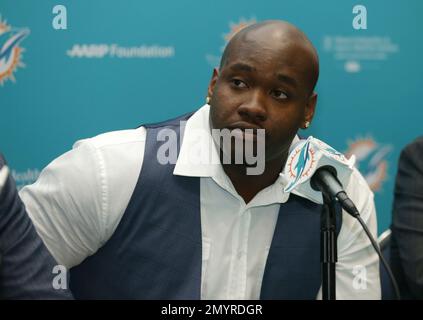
pixel 415 148
pixel 358 185
pixel 137 135
pixel 174 121
pixel 116 155
pixel 115 138
pixel 411 161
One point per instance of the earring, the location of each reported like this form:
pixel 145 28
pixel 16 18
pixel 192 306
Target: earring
pixel 307 124
pixel 208 100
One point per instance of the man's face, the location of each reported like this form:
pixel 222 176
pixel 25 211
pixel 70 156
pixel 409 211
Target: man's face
pixel 265 89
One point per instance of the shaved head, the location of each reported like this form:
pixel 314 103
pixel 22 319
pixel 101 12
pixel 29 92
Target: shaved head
pixel 268 35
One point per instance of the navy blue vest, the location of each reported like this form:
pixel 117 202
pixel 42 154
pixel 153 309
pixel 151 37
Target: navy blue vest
pixel 156 250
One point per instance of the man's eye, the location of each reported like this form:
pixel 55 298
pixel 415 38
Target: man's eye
pixel 239 83
pixel 280 94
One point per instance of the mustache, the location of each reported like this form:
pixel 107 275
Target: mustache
pixel 243 125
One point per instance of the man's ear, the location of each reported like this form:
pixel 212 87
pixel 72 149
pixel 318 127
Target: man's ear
pixel 212 82
pixel 309 110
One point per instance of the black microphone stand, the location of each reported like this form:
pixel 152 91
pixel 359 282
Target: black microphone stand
pixel 328 251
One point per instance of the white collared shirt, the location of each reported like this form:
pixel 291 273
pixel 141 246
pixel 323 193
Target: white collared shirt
pixel 80 197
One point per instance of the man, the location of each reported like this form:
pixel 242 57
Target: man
pixel 407 222
pixel 135 226
pixel 26 267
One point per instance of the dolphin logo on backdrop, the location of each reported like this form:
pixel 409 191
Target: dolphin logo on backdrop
pixel 234 27
pixel 371 160
pixel 10 51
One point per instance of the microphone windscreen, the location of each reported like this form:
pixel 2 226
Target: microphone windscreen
pixel 305 158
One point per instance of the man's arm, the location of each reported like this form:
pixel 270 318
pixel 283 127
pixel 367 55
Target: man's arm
pixel 65 204
pixel 80 197
pixel 407 220
pixel 26 266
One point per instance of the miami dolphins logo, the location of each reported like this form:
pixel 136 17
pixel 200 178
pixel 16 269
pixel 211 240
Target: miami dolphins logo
pixel 371 160
pixel 10 51
pixel 300 163
pixel 234 27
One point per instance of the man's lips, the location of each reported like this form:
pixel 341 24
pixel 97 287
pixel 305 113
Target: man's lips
pixel 243 126
pixel 244 130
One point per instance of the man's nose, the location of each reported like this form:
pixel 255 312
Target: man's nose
pixel 253 109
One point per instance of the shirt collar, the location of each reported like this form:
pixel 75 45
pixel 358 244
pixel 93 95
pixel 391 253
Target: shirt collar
pixel 199 157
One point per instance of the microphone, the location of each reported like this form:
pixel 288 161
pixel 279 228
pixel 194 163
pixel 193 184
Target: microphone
pixel 314 168
pixel 326 181
pixel 304 161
